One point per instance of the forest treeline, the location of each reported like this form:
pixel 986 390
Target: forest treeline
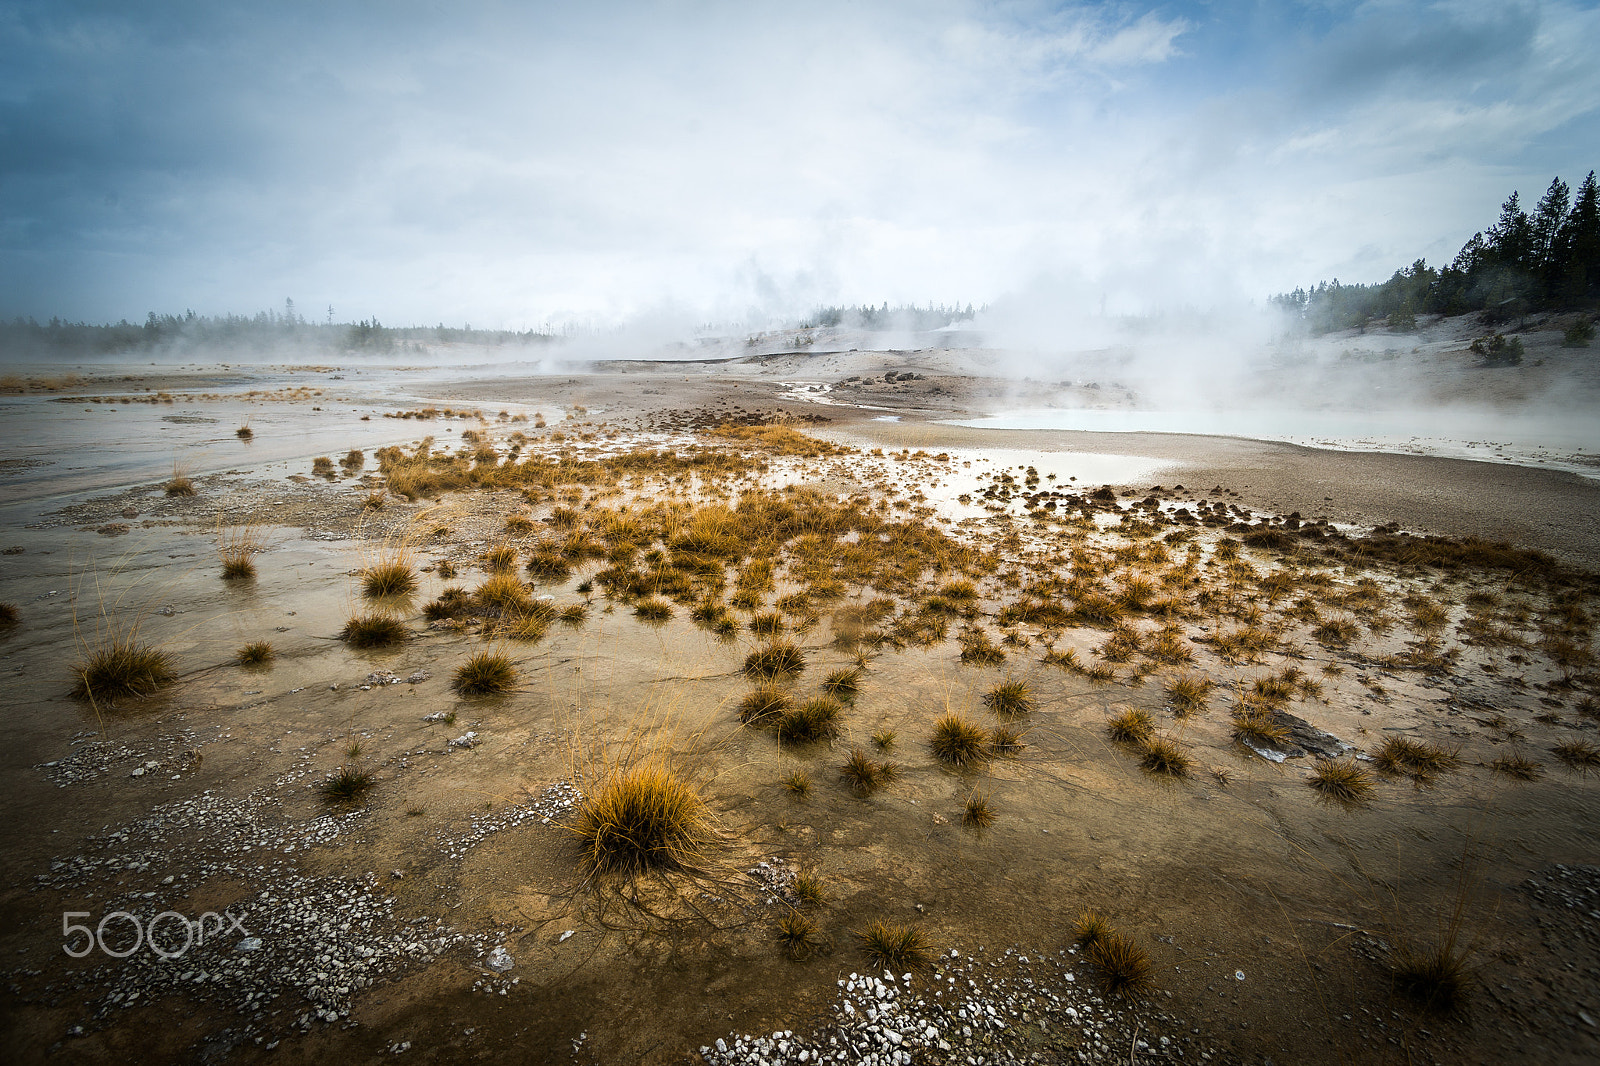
pixel 1544 260
pixel 906 317
pixel 264 331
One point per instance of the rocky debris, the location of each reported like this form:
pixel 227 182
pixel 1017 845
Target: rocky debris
pixel 499 961
pixel 469 739
pixel 94 758
pixel 549 806
pixel 1304 738
pixel 776 878
pixel 1018 1008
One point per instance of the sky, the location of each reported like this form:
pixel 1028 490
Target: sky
pixel 516 165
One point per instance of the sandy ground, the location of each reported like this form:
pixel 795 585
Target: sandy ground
pixel 1271 915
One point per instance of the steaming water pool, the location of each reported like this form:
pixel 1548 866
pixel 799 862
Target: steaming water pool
pixel 1564 440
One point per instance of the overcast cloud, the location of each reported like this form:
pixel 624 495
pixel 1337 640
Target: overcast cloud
pixel 518 164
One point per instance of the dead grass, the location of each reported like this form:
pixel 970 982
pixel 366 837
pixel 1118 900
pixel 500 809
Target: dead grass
pixel 1579 755
pixel 485 673
pixel 843 685
pixel 1517 767
pixel 181 484
pixel 1010 699
pixel 375 629
pixel 122 667
pixel 1123 966
pixel 895 947
pixel 1420 759
pixel 812 721
pixel 1187 694
pixel 958 741
pixel 1163 755
pixel 1342 780
pixel 256 653
pixel 392 574
pixel 862 774
pixel 762 703
pixel 780 658
pixel 797 935
pixel 1131 726
pixel 976 812
pixel 643 817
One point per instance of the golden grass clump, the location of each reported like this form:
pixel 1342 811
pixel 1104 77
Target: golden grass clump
pixel 244 432
pixel 181 484
pixel 777 659
pixel 1579 755
pixel 1187 694
pixel 237 551
pixel 643 817
pixel 843 685
pixel 256 653
pixel 485 673
pixel 1005 741
pixel 958 741
pixel 1163 755
pixel 1010 699
pixel 798 781
pixel 763 702
pixel 653 610
pixel 504 594
pixel 374 629
pixel 1255 724
pixel 797 935
pixel 813 720
pixel 976 812
pixel 1342 780
pixel 500 559
pixel 891 946
pixel 977 648
pixel 808 889
pixel 1122 964
pixel 1419 758
pixel 322 466
pixel 1091 928
pixel 1132 726
pixel 123 667
pixel 1518 767
pixel 769 624
pixel 389 576
pixel 864 775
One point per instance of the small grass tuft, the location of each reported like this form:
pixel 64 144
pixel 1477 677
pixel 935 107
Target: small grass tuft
pixel 891 946
pixel 884 739
pixel 780 658
pixel 763 702
pixel 1163 755
pixel 1091 928
pixel 959 741
pixel 813 720
pixel 485 673
pixel 861 773
pixel 652 610
pixel 843 685
pixel 1132 726
pixel 256 653
pixel 1342 780
pixel 181 484
pixel 1123 965
pixel 976 812
pixel 798 781
pixel 643 817
pixel 797 934
pixel 9 615
pixel 1437 978
pixel 1010 699
pixel 123 668
pixel 1518 767
pixel 1422 760
pixel 1006 742
pixel 1579 755
pixel 244 432
pixel 347 785
pixel 373 630
pixel 1187 694
pixel 808 890
pixel 389 577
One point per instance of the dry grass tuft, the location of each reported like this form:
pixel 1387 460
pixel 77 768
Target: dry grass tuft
pixel 373 630
pixel 1579 755
pixel 653 610
pixel 1123 965
pixel 976 812
pixel 123 667
pixel 778 659
pixel 813 720
pixel 485 673
pixel 244 432
pixel 237 551
pixel 797 935
pixel 181 484
pixel 1010 699
pixel 1091 928
pixel 1163 755
pixel 1188 693
pixel 1517 767
pixel 763 702
pixel 390 576
pixel 1437 978
pixel 503 595
pixel 346 785
pixel 500 559
pixel 890 946
pixel 1342 780
pixel 643 817
pixel 1006 741
pixel 9 615
pixel 798 781
pixel 1132 726
pixel 862 774
pixel 808 890
pixel 958 741
pixel 843 685
pixel 256 653
pixel 1422 760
